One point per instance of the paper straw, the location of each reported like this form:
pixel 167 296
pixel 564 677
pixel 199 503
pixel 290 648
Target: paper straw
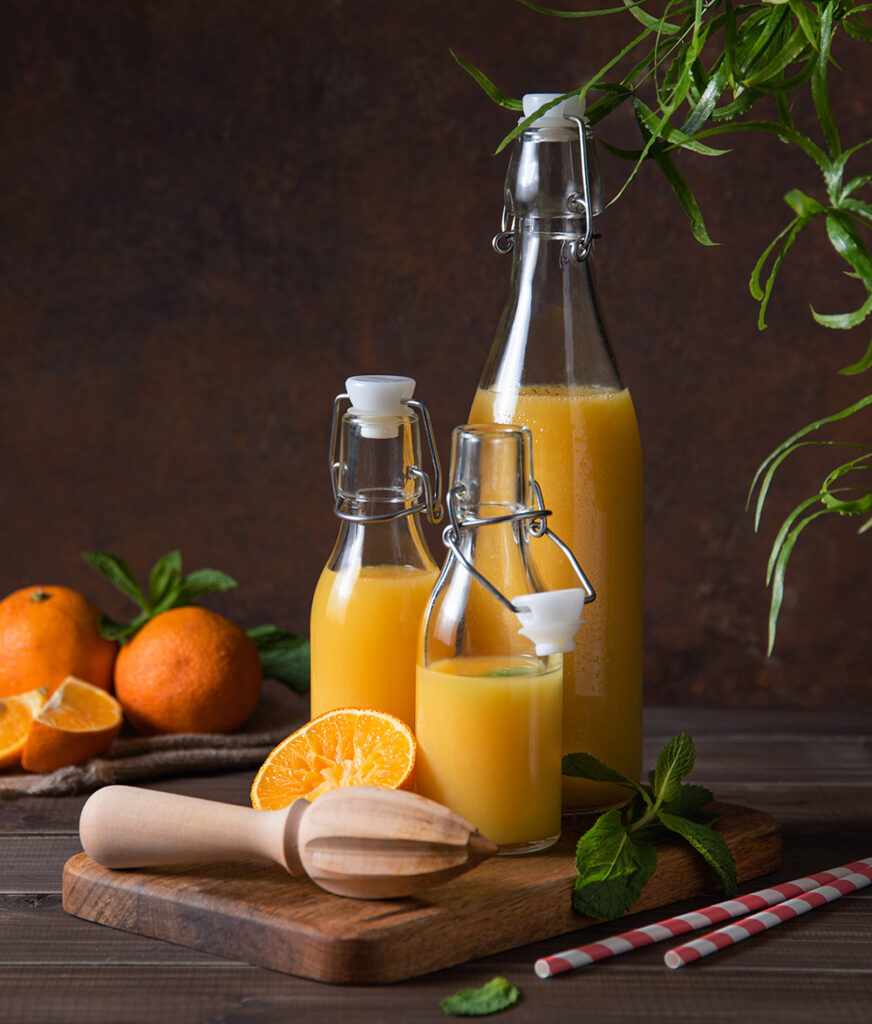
pixel 670 928
pixel 766 919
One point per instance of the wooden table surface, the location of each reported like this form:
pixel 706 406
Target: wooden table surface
pixel 811 770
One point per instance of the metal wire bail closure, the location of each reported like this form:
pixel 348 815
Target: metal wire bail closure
pixel 504 241
pixel 537 518
pixel 431 504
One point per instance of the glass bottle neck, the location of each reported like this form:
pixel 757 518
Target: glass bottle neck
pixel 397 542
pixel 552 329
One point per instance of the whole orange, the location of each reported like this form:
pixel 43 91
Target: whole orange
pixel 47 634
pixel 188 670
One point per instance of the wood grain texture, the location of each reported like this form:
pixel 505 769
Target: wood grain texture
pixel 259 915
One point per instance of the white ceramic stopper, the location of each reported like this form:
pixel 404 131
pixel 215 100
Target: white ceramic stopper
pixel 551 619
pixel 379 398
pixel 554 117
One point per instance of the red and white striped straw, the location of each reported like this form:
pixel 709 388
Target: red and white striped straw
pixel 582 956
pixel 766 919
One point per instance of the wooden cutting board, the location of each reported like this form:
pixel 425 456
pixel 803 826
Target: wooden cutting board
pixel 258 913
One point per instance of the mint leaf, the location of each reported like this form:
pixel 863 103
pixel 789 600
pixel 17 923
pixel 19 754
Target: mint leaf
pixel 613 866
pixel 166 576
pixel 283 656
pixel 675 761
pixel 586 766
pixel 204 581
pixel 710 844
pixel 118 572
pixel 689 801
pixel 616 856
pixel 498 994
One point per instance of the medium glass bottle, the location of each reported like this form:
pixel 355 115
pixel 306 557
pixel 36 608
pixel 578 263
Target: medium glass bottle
pixel 552 369
pixel 370 598
pixel 490 694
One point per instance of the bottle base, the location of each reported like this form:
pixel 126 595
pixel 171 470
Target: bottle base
pixel 531 846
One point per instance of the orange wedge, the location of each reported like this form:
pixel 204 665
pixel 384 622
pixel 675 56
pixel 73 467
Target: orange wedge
pixel 78 721
pixel 16 716
pixel 344 747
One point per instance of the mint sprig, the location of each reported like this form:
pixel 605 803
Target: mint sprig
pixel 283 656
pixel 617 856
pixel 498 994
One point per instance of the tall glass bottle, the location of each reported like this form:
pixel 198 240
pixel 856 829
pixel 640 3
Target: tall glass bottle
pixel 370 598
pixel 552 369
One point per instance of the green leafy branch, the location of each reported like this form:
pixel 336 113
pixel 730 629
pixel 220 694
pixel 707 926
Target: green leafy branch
pixel 617 855
pixel 699 69
pixel 283 655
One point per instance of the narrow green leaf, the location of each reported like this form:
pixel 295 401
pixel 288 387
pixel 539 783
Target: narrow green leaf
pixel 793 230
pixel 764 469
pixel 855 183
pixel 495 94
pixel 118 572
pixel 672 135
pixel 807 20
pixel 860 366
pixel 819 90
pixel 844 321
pixel 803 205
pixel 779 572
pixel 581 14
pixel 858 206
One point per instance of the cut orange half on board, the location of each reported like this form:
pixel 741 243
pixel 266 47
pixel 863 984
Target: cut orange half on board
pixel 16 716
pixel 79 721
pixel 345 747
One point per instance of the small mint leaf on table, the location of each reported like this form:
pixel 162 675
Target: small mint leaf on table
pixel 498 994
pixel 710 844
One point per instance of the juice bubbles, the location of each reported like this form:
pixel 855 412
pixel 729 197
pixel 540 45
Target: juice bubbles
pixel 364 630
pixel 587 460
pixel 488 731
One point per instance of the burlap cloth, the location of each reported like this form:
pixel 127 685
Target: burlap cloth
pixel 135 758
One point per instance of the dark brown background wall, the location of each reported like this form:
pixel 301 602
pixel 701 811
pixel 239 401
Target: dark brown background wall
pixel 212 212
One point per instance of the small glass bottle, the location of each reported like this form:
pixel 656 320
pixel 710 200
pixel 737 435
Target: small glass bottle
pixel 370 598
pixel 552 369
pixel 490 694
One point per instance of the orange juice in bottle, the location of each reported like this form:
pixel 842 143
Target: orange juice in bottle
pixel 552 369
pixel 370 598
pixel 489 699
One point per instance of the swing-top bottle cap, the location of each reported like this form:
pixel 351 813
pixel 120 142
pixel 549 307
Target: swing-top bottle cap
pixel 553 118
pixel 378 400
pixel 551 618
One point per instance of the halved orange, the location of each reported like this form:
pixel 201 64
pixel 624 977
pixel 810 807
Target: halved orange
pixel 344 747
pixel 79 721
pixel 16 716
